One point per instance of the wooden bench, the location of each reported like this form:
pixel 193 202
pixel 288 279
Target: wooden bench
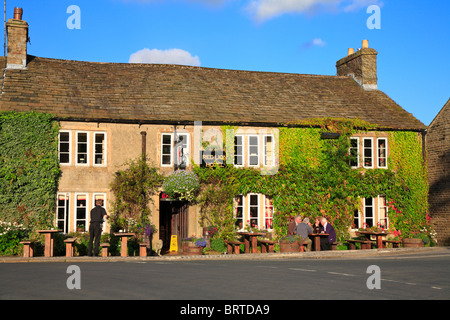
pixel 69 246
pixel 28 250
pixel 233 246
pixel 333 246
pixel 302 246
pixel 395 243
pixel 267 245
pixel 105 246
pixel 365 244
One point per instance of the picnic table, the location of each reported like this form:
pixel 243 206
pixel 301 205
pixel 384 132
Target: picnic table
pixel 378 234
pixel 48 251
pixel 316 239
pixel 124 242
pixel 250 238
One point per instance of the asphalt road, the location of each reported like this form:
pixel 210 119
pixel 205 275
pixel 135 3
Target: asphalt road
pixel 407 276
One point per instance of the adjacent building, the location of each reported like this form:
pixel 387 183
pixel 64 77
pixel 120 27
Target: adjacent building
pixel 438 149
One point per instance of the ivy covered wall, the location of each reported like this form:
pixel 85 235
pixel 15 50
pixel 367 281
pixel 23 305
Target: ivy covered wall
pixel 29 169
pixel 315 179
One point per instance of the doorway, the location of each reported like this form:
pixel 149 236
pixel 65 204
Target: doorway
pixel 173 220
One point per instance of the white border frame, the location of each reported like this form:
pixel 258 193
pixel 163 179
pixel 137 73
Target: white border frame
pixel 248 150
pixel 364 154
pixel 386 150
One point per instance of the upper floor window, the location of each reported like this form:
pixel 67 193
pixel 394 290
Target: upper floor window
pixel 99 148
pixel 382 152
pixel 253 150
pixel 175 150
pixel 82 148
pixel 354 152
pixel 269 154
pixel 371 152
pixel 238 150
pixel 64 147
pixel 368 153
pixel 166 149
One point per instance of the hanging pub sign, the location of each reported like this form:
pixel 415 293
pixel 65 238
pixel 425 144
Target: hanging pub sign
pixel 210 158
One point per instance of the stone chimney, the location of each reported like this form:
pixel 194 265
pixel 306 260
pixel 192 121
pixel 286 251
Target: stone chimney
pixel 17 32
pixel 361 66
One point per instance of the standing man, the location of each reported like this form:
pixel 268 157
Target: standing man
pixel 326 228
pixel 95 227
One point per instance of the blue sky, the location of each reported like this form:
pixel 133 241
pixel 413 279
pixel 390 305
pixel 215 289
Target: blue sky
pixel 295 36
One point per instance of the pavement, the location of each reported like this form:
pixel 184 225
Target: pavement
pixel 338 254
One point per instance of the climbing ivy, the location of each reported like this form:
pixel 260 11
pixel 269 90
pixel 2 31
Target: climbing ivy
pixel 314 179
pixel 29 168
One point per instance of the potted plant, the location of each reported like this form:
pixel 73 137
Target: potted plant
pixel 193 245
pixel 290 243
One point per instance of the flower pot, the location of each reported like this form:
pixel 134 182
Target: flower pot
pixel 412 243
pixel 289 247
pixel 190 248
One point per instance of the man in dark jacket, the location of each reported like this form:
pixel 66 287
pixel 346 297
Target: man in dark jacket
pixel 95 227
pixel 326 228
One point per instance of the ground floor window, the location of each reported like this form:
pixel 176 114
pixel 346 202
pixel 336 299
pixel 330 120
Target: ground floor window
pixel 373 212
pixel 253 210
pixel 74 215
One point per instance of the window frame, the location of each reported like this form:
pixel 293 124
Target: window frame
pixel 386 153
pixel 87 148
pixel 258 209
pixel 357 152
pixel 75 215
pixel 104 152
pixel 66 208
pixel 171 149
pixel 249 155
pixel 70 148
pixel 235 155
pixel 272 151
pixel 371 153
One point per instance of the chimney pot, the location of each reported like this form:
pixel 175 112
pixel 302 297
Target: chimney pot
pixel 365 44
pixel 18 12
pixel 350 51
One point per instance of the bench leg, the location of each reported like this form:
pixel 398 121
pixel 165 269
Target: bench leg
pixel 263 248
pixel 302 248
pixel 143 251
pixel 351 246
pixel 237 249
pixel 229 249
pixel 69 250
pixel 27 250
pixel 104 252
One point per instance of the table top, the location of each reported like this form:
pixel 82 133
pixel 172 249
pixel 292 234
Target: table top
pixel 124 234
pixel 251 233
pixel 318 234
pixel 49 231
pixel 374 232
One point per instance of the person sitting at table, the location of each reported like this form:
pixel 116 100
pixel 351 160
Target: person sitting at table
pixel 303 229
pixel 317 226
pixel 291 227
pixel 326 228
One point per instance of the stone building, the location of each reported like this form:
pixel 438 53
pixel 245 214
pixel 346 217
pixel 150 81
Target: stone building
pixel 438 150
pixel 108 111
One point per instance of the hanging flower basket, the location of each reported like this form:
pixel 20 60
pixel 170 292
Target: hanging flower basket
pixel 181 185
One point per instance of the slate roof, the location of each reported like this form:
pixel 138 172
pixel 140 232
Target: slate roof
pixel 153 93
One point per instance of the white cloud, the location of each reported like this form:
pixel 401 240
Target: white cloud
pixel 316 42
pixel 266 9
pixel 170 56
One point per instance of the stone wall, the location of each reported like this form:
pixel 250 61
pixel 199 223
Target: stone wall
pixel 438 149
